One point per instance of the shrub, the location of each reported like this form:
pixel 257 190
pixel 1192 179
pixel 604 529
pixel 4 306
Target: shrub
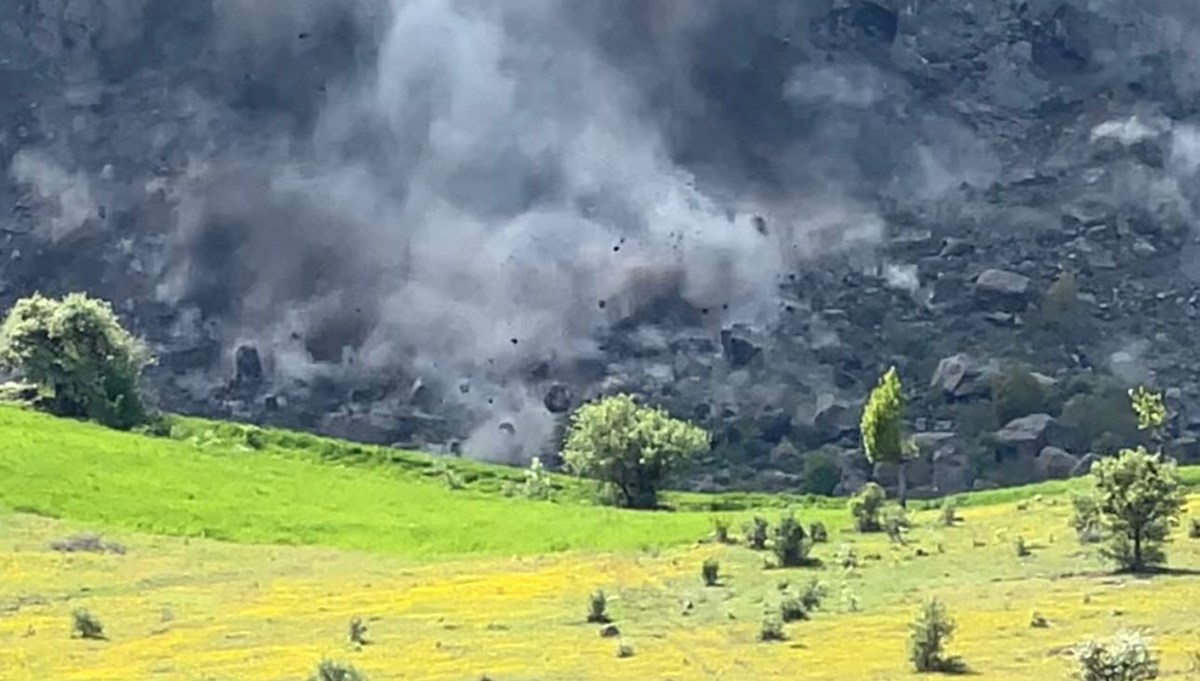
pixel 629 448
pixel 1194 528
pixel 866 507
pixel 1139 496
pixel 1037 621
pixel 771 629
pixel 949 514
pixel 792 610
pixel 757 531
pixel 721 530
pixel 598 608
pixel 894 527
pixel 536 484
pixel 818 533
pixel 336 671
pixel 1085 519
pixel 849 558
pixel 358 632
pixel 813 595
pixel 822 474
pixel 927 640
pixel 77 353
pixel 87 627
pixel 1016 393
pixel 710 572
pixel 1021 548
pixel 1127 657
pixel 791 544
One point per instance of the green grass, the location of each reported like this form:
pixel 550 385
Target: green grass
pixel 250 485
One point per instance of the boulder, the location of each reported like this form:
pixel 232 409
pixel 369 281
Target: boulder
pixel 855 471
pixel 1053 463
pixel 558 399
pixel 962 376
pixel 951 469
pixel 739 347
pixel 1003 290
pixel 1025 437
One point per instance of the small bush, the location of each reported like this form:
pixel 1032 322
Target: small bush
pixel 818 533
pixel 894 527
pixel 757 532
pixel 771 629
pixel 821 473
pixel 849 558
pixel 598 608
pixel 813 595
pixel 792 609
pixel 1038 622
pixel 87 543
pixel 721 531
pixel 949 516
pixel 1127 657
pixel 927 640
pixel 1016 393
pixel 537 484
pixel 86 627
pixel 1085 519
pixel 358 632
pixel 866 506
pixel 710 572
pixel 791 544
pixel 336 671
pixel 1194 528
pixel 1021 548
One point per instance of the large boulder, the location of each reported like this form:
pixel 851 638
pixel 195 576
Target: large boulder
pixel 962 376
pixel 1053 463
pixel 951 469
pixel 1003 290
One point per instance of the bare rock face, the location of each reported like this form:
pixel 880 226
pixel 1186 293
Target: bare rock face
pixel 909 179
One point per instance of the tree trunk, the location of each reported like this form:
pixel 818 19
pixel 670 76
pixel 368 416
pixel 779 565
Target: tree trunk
pixel 902 483
pixel 1137 550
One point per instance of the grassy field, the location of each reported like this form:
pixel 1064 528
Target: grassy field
pixel 458 583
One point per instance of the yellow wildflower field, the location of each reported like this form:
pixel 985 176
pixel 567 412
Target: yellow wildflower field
pixel 174 609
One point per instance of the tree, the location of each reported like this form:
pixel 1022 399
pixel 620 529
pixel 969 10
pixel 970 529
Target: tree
pixel 881 428
pixel 629 447
pixel 1139 496
pixel 79 356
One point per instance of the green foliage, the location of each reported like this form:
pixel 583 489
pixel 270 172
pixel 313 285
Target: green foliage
pixel 949 513
pixel 866 506
pixel 78 354
pixel 1127 657
pixel 1021 548
pixel 791 609
pixel 818 533
pixel 1085 518
pixel 598 608
pixel 1016 392
pixel 1102 417
pixel 336 671
pixel 791 544
pixel 821 473
pixel 1194 528
pixel 757 531
pixel 771 629
pixel 710 572
pixel 358 632
pixel 927 640
pixel 1149 408
pixel 537 483
pixel 1139 496
pixel 85 626
pixel 721 531
pixel 629 448
pixel 882 437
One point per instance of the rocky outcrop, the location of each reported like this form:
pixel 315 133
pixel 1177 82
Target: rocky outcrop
pixel 989 148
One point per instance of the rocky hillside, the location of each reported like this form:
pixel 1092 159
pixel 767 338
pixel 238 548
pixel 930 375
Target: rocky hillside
pixel 445 224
